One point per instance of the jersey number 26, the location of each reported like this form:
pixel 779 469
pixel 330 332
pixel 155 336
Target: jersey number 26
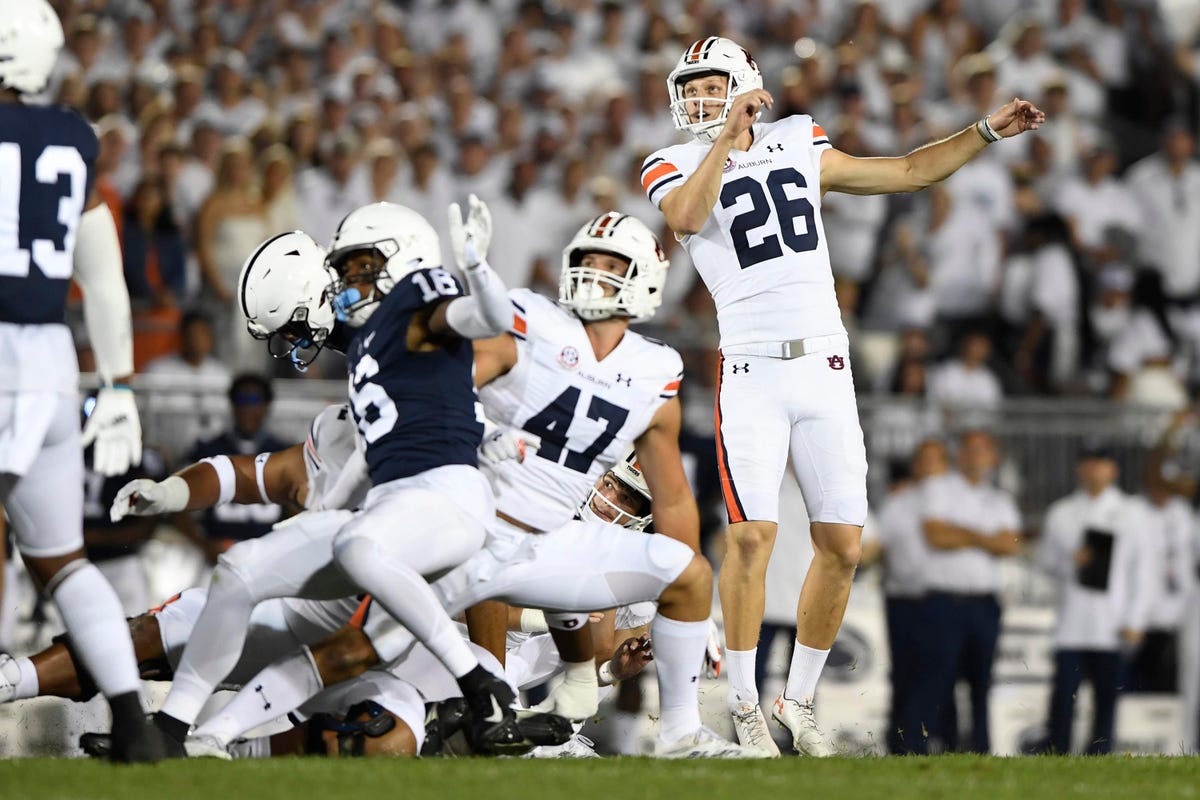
pixel 787 209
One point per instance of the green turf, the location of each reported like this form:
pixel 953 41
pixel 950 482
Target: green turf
pixel 610 779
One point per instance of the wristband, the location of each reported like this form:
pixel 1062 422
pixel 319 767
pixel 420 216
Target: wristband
pixel 226 477
pixel 176 493
pixel 985 129
pixel 604 675
pixel 260 463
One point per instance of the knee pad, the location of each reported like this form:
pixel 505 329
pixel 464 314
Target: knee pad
pixel 844 507
pixel 670 556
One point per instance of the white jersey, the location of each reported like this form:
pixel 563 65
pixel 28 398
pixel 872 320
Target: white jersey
pixel 762 252
pixel 586 412
pixel 332 439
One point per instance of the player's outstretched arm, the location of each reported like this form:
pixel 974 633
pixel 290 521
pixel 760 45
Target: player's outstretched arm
pixel 486 311
pixel 114 425
pixel 926 165
pixel 214 481
pixel 688 207
pixel 673 506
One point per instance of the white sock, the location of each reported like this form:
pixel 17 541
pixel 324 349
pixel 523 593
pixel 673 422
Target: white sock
pixel 678 657
pixel 807 664
pixel 277 690
pixel 407 597
pixel 26 684
pixel 258 747
pixel 99 633
pixel 742 688
pixel 213 647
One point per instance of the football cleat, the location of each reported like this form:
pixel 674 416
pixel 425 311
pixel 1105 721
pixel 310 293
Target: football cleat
pixel 704 743
pixel 145 747
pixel 447 723
pixel 491 723
pixel 96 745
pixel 578 746
pixel 752 730
pixel 206 747
pixel 801 721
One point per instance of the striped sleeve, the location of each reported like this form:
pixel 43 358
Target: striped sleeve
pixel 659 177
pixel 820 139
pixel 519 325
pixel 672 388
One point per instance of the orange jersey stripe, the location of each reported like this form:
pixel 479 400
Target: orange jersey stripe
pixel 518 323
pixel 672 386
pixel 727 493
pixel 818 132
pixel 661 171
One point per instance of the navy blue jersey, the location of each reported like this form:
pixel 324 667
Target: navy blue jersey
pixel 234 521
pixel 415 410
pixel 99 492
pixel 47 168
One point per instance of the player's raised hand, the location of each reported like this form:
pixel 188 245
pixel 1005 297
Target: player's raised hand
pixel 1016 116
pixel 471 236
pixel 745 110
pixel 144 498
pixel 116 430
pixel 631 657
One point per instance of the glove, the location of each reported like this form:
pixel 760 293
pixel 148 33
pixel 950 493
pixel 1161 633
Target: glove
pixel 470 238
pixel 577 697
pixel 145 498
pixel 116 430
pixel 712 653
pixel 507 444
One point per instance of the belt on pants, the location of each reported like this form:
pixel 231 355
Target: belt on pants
pixel 794 348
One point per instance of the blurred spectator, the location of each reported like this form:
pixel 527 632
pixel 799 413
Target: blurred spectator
pixel 1166 186
pixel 1165 542
pixel 219 528
pixel 279 190
pixel 327 194
pixel 185 394
pixel 153 246
pixel 966 382
pixel 1093 546
pixel 969 525
pixel 1144 357
pixel 1096 202
pixel 905 557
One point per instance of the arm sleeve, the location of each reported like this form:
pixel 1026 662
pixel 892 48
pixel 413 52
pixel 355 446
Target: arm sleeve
pixel 100 273
pixel 486 311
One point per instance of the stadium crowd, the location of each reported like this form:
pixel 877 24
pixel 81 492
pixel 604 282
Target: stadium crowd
pixel 1065 265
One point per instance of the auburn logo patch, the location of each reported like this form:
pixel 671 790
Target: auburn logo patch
pixel 837 362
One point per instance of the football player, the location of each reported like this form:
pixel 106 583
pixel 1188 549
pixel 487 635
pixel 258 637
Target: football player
pixel 411 393
pixel 53 226
pixel 745 200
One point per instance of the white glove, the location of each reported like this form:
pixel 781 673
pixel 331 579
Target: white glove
pixel 577 697
pixel 470 238
pixel 145 498
pixel 508 444
pixel 115 428
pixel 712 653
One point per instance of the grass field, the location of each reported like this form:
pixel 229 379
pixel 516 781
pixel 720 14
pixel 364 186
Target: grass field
pixel 968 777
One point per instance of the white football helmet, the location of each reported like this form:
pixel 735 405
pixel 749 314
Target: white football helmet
pixel 283 293
pixel 714 54
pixel 627 472
pixel 401 239
pixel 30 38
pixel 638 293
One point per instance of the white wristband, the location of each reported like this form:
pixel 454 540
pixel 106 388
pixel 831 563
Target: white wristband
pixel 175 493
pixel 604 675
pixel 985 129
pixel 260 463
pixel 225 476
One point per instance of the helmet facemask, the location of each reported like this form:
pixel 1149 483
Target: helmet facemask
pixel 613 514
pixel 351 305
pixel 297 341
pixel 595 293
pixel 714 56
